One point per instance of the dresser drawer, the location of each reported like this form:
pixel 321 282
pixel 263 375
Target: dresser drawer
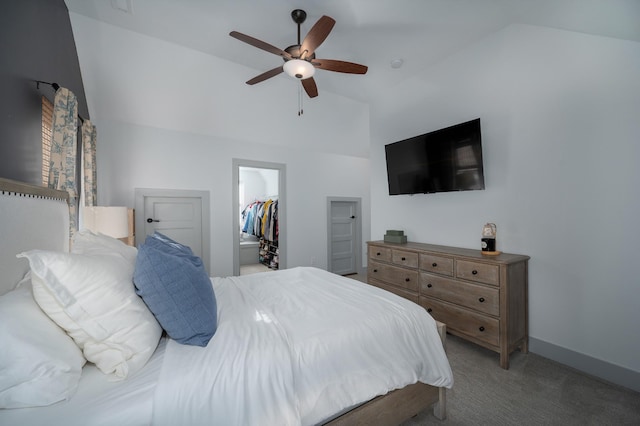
pixel 480 298
pixel 404 258
pixel 462 320
pixel 380 253
pixel 437 264
pixel 394 275
pixel 479 272
pixel 393 289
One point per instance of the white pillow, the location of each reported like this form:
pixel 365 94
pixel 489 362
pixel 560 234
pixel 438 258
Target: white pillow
pixel 93 298
pixel 86 242
pixel 39 363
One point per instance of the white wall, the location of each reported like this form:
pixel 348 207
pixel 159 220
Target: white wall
pixel 560 116
pixel 258 184
pixel 171 117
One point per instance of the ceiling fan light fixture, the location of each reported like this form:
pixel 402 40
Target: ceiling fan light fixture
pixel 299 69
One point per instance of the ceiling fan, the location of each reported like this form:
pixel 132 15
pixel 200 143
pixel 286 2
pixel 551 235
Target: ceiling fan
pixel 300 60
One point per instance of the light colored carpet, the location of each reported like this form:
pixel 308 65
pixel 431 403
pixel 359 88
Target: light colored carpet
pixel 254 269
pixel 534 391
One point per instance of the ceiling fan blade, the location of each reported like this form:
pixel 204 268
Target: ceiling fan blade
pixel 340 66
pixel 265 75
pixel 316 35
pixel 310 87
pixel 260 44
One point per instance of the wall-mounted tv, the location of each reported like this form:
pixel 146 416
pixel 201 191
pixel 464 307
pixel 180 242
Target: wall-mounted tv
pixel 448 159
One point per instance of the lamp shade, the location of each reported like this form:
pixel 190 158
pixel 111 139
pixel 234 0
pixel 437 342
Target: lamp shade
pixel 111 221
pixel 298 68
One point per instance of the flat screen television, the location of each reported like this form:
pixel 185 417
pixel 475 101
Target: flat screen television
pixel 448 159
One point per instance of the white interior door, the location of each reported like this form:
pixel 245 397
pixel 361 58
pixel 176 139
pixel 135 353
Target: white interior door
pixel 343 236
pixel 180 215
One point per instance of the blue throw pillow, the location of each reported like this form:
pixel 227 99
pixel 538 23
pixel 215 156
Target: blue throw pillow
pixel 175 286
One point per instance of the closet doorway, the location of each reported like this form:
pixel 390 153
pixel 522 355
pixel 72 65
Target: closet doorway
pixel 259 230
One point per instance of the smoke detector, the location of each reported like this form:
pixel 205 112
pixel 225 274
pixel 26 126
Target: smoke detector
pixel 396 63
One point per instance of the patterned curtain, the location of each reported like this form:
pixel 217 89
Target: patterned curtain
pixel 89 158
pixel 62 172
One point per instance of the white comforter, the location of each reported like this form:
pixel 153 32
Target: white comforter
pixel 296 347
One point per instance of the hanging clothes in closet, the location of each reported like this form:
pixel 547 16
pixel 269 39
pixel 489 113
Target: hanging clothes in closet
pixel 260 218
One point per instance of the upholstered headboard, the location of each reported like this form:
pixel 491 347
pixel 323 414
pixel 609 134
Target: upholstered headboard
pixel 31 217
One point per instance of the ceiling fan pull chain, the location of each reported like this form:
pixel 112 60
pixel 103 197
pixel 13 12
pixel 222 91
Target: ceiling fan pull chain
pixel 300 110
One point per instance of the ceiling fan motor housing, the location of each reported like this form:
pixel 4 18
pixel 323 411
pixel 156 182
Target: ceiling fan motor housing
pixel 294 51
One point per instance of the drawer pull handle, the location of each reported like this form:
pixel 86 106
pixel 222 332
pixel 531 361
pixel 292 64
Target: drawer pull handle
pixel 375 270
pixel 434 264
pixel 404 258
pixel 481 328
pixel 378 254
pixel 481 300
pixel 429 310
pixel 407 279
pixel 474 272
pixel 429 285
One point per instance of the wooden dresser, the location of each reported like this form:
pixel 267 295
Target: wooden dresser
pixel 480 298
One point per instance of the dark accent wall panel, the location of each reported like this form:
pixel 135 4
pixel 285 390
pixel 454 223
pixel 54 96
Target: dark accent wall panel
pixel 36 43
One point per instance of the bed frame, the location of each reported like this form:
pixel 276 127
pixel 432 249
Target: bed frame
pixel 390 409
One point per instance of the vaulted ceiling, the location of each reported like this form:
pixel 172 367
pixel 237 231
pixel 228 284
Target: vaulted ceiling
pixel 371 32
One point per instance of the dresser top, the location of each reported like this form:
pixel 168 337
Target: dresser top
pixel 454 251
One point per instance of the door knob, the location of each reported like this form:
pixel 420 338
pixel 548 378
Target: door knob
pixel 149 220
pixel 353 217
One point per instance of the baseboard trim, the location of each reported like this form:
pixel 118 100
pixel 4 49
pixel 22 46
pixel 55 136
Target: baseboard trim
pixel 595 367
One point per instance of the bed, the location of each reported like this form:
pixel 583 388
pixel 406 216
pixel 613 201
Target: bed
pixel 297 346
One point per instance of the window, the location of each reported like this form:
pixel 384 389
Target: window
pixel 47 124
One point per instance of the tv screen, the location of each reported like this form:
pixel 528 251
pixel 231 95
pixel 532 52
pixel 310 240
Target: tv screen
pixel 448 159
